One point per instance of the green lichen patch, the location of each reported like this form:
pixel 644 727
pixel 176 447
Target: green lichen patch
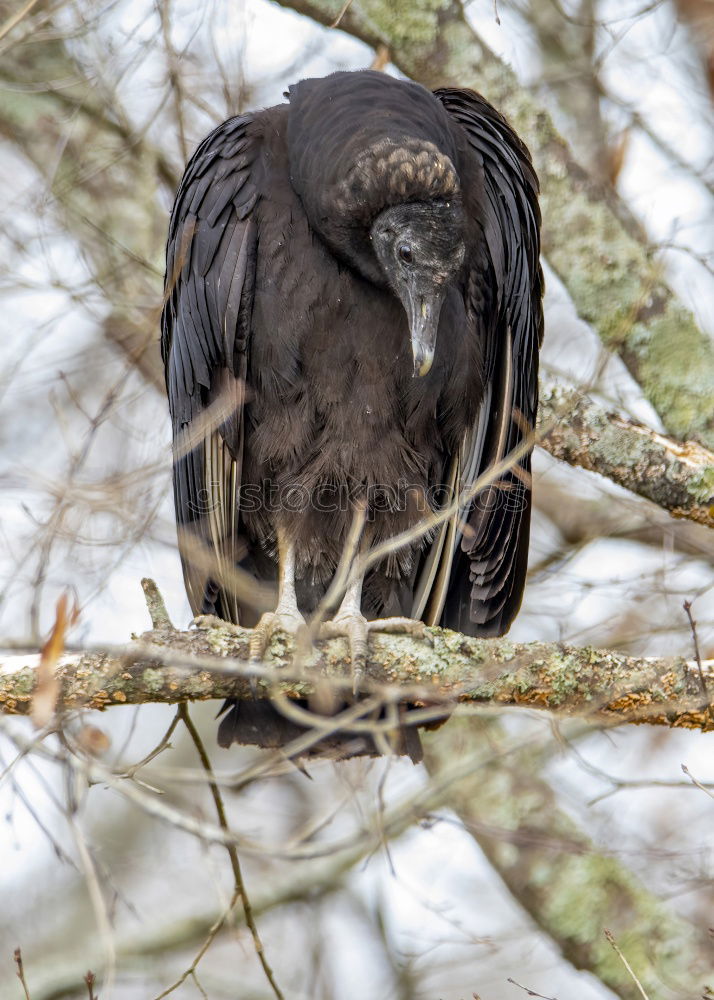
pixel 406 22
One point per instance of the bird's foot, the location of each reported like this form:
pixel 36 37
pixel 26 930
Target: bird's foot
pixel 356 629
pixel 290 622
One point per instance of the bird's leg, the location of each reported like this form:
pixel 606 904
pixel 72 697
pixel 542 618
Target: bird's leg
pixel 286 617
pixel 350 622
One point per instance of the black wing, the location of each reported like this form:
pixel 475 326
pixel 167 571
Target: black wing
pixel 210 268
pixel 478 584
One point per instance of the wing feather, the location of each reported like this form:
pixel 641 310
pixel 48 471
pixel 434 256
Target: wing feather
pixel 210 256
pixel 490 546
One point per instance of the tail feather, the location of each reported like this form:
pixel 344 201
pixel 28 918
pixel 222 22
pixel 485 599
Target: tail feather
pixel 259 723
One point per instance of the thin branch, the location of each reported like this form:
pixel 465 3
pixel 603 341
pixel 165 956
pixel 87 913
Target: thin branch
pixel 695 639
pixel 341 14
pixel 90 979
pixel 627 965
pixel 240 889
pixel 697 784
pixel 213 932
pixel 21 972
pixel 15 18
pixel 531 993
pixel 494 785
pixel 58 977
pixel 173 59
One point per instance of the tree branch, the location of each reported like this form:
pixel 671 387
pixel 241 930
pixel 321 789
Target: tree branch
pixel 677 477
pixel 60 975
pixel 211 661
pixel 103 177
pixel 558 874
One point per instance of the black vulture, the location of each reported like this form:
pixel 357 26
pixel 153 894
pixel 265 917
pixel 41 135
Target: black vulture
pixel 352 320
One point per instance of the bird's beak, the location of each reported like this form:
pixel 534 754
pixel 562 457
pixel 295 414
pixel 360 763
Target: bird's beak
pixel 423 312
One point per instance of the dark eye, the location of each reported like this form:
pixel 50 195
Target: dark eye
pixel 405 253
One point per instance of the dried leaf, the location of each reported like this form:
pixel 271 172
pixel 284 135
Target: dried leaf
pixel 44 699
pixel 93 740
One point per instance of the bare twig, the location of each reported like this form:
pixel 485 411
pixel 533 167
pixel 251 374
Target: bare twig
pixel 15 18
pixel 627 965
pixel 381 58
pixel 240 889
pixel 215 928
pixel 163 744
pixel 531 993
pixel 96 897
pixel 175 78
pixel 90 980
pixel 693 626
pixel 21 972
pixel 698 784
pixel 343 10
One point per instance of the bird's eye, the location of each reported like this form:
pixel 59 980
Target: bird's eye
pixel 405 253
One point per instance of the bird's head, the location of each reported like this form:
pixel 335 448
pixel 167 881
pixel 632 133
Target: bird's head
pixel 374 161
pixel 420 250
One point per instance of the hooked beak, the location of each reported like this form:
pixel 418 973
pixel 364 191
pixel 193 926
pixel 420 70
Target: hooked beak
pixel 423 313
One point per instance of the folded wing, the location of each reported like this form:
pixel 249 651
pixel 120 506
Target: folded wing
pixel 477 569
pixel 210 266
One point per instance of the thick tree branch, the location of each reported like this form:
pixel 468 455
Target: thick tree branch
pixel 589 236
pixel 677 477
pixel 103 177
pixel 211 661
pixel 569 886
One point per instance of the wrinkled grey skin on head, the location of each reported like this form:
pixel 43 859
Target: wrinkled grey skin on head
pixel 420 249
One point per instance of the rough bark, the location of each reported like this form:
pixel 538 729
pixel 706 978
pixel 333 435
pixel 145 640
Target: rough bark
pixel 589 236
pixel 211 661
pixel 677 477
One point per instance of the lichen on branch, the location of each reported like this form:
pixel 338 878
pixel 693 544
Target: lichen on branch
pixel 677 476
pixel 211 661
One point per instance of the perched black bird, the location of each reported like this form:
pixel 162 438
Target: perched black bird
pixel 352 322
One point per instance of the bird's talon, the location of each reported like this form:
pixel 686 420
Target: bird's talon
pixel 357 629
pixel 402 626
pixel 271 622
